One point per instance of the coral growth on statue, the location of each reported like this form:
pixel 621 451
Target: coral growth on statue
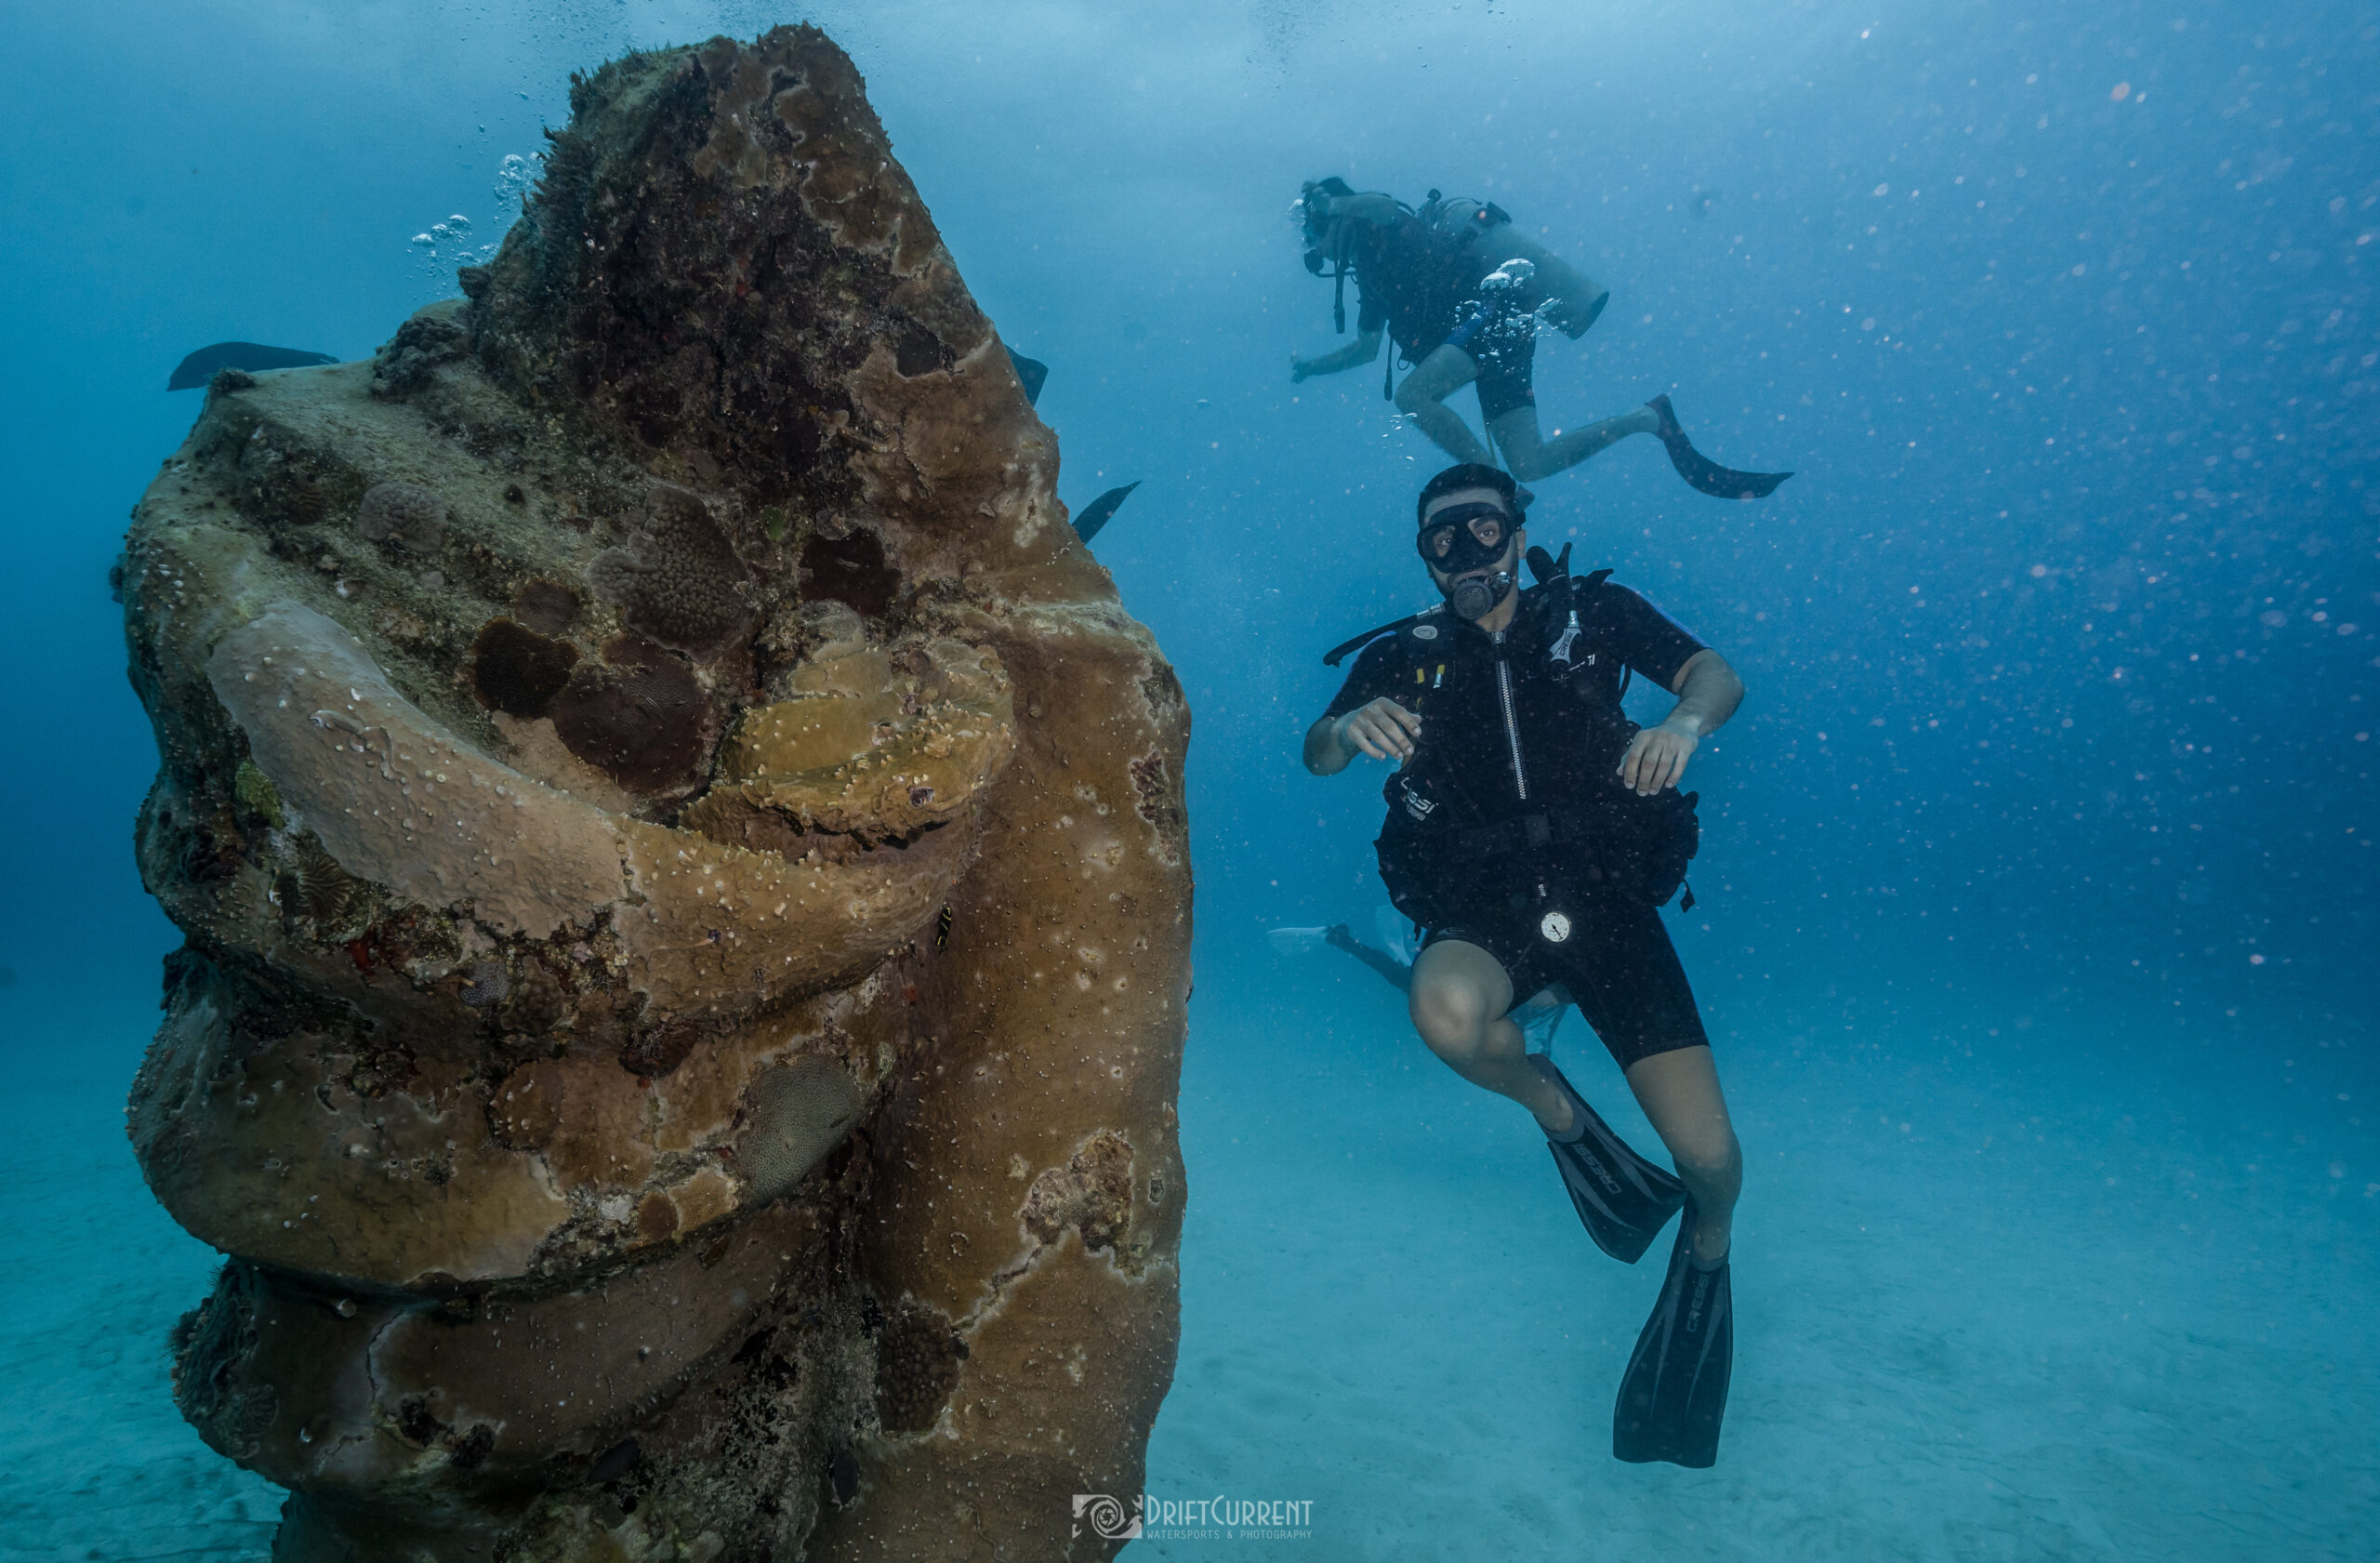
pixel 682 860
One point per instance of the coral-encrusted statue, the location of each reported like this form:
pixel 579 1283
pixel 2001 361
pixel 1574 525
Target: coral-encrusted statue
pixel 683 857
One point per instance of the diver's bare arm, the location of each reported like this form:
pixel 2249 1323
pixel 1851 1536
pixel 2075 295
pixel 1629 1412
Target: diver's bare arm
pixel 1325 756
pixel 1382 729
pixel 1708 692
pixel 1354 355
pixel 1381 210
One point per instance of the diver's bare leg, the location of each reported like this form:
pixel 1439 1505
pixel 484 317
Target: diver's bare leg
pixel 1528 455
pixel 1458 1001
pixel 1679 1091
pixel 1438 377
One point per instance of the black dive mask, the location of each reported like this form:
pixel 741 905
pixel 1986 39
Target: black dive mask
pixel 1313 212
pixel 1474 544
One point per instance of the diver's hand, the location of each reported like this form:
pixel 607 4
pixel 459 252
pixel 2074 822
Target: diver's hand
pixel 1300 369
pixel 1658 758
pixel 1382 729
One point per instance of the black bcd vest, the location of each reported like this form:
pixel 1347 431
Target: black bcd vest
pixel 1512 800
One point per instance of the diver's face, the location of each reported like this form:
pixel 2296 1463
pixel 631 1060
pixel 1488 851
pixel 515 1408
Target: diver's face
pixel 1469 540
pixel 1312 215
pixel 1468 534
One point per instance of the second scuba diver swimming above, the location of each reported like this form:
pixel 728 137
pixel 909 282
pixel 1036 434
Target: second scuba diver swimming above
pixel 1534 832
pixel 1461 295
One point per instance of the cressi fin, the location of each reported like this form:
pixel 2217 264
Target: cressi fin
pixel 1100 510
pixel 1622 1199
pixel 1030 373
pixel 200 366
pixel 1723 483
pixel 1674 1392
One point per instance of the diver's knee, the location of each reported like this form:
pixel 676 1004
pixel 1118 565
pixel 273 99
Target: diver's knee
pixel 1523 444
pixel 1413 397
pixel 1528 463
pixel 1452 1020
pixel 1711 1162
pixel 1444 1017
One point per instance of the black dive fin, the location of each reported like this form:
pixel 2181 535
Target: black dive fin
pixel 1097 513
pixel 200 366
pixel 1674 1392
pixel 1030 373
pixel 1622 1199
pixel 1721 482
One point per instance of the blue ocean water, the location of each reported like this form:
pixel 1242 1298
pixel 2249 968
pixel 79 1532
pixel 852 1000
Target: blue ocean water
pixel 2036 912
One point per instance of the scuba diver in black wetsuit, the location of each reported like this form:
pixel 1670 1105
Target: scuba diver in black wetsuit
pixel 1463 295
pixel 1535 831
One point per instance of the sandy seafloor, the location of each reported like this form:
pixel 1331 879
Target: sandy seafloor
pixel 1992 1304
pixel 95 1463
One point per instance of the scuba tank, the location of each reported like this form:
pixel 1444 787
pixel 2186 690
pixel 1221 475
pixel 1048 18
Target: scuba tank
pixel 1460 217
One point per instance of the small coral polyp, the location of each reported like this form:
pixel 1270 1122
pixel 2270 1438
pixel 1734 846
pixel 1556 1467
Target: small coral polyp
pixel 607 787
pixel 404 515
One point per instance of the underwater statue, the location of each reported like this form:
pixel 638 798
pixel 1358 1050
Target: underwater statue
pixel 683 862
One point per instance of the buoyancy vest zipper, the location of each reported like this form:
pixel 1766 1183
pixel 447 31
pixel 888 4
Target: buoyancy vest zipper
pixel 1512 727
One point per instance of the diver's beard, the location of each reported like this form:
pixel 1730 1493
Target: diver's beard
pixel 1474 597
